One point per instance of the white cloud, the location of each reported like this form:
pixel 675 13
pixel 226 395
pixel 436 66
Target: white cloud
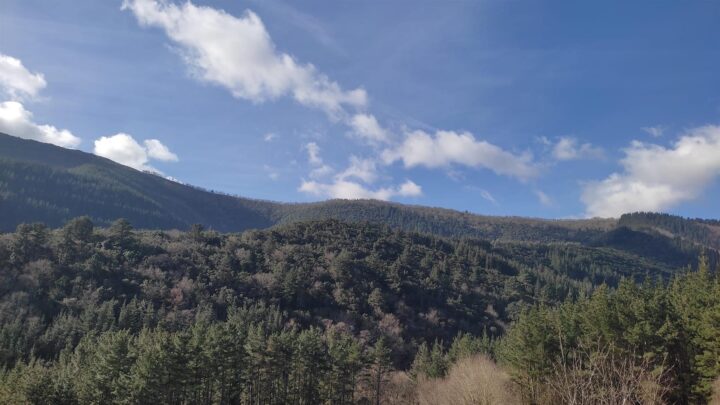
pixel 544 140
pixel 656 131
pixel 409 189
pixel 351 190
pixel 321 171
pixel 447 147
pixel 17 81
pixel 366 126
pixel 238 54
pixel 568 148
pixel 124 149
pixel 17 121
pixel 486 195
pixel 156 150
pixel 269 137
pixel 363 169
pixel 543 198
pixel 655 177
pixel 313 151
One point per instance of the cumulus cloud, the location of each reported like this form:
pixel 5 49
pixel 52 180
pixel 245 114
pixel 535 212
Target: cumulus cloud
pixel 655 178
pixel 348 184
pixel 568 148
pixel 124 149
pixel 362 169
pixel 352 190
pixel 269 137
pixel 17 81
pixel 238 54
pixel 409 189
pixel 17 121
pixel 446 148
pixel 367 127
pixel 156 150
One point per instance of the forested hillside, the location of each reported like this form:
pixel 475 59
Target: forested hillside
pixel 42 182
pixel 701 231
pixel 335 302
pixel 49 184
pixel 368 277
pixel 312 312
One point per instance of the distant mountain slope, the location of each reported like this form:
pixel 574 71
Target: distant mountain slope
pixel 699 231
pixel 44 183
pixel 41 182
pixel 445 222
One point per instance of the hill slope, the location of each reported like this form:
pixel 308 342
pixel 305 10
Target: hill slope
pixel 44 183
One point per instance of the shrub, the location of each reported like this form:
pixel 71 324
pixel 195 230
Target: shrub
pixel 473 380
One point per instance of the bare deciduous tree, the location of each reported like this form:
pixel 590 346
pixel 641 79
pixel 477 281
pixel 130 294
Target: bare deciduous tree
pixel 599 375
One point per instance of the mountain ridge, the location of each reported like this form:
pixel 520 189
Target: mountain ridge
pixel 44 183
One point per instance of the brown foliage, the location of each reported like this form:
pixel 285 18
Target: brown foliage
pixel 474 380
pixel 715 400
pixel 601 376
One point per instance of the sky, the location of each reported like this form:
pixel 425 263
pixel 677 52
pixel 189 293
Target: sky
pixel 555 109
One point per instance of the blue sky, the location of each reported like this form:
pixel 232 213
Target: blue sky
pixel 532 108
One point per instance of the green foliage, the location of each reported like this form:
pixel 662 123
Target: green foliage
pixel 702 231
pixel 309 312
pixel 436 361
pixel 61 285
pixel 671 330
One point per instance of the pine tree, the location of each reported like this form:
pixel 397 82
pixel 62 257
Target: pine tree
pixel 379 370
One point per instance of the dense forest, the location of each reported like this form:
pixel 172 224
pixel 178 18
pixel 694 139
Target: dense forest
pixel 335 312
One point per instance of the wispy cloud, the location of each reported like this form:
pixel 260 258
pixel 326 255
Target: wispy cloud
pixel 304 21
pixel 544 198
pixel 353 190
pixel 569 148
pixel 655 131
pixel 238 53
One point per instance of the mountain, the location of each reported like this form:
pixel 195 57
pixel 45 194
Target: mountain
pixel 44 183
pixel 88 313
pixel 57 285
pixel 341 288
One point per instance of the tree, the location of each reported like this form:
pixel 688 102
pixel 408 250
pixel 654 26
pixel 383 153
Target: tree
pixel 106 371
pixel 379 370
